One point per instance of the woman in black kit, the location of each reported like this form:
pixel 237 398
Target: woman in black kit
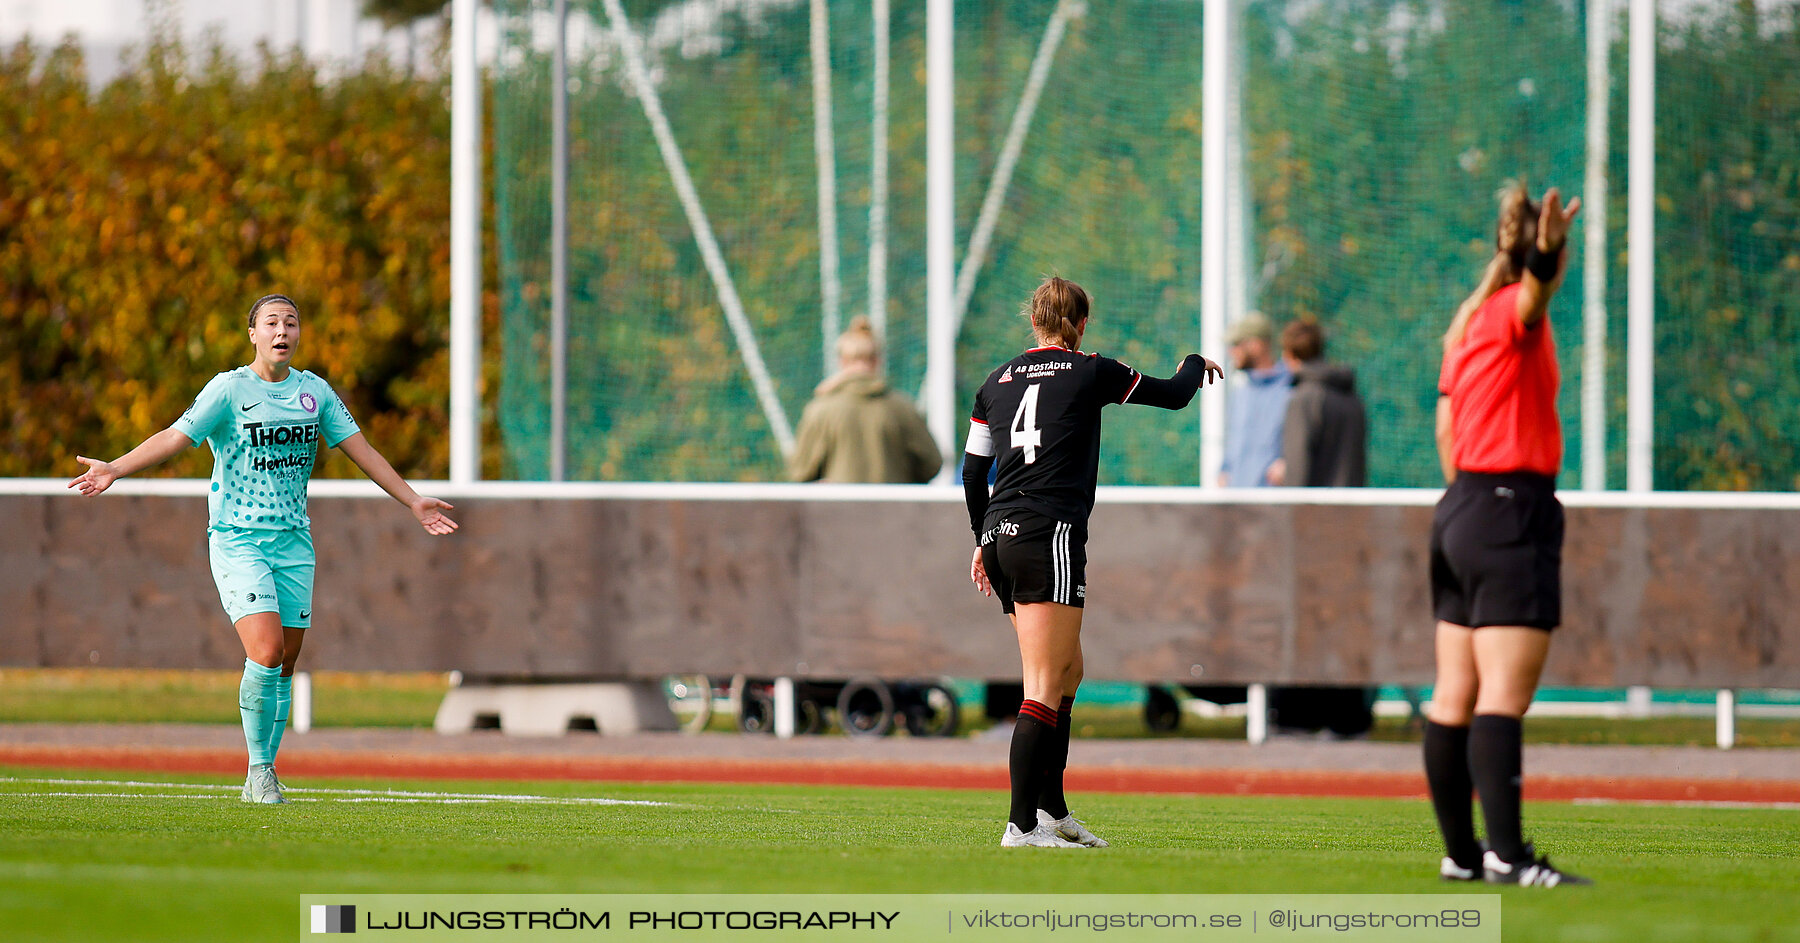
pixel 1031 534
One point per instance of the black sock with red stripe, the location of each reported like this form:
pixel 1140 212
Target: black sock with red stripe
pixel 1056 759
pixel 1032 735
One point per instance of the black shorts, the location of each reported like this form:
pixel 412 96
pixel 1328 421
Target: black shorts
pixel 1032 558
pixel 1496 551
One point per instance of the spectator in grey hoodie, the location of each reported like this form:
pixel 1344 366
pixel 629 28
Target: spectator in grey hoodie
pixel 1325 435
pixel 1323 443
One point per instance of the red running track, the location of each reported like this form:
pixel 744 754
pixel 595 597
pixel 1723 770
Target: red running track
pixel 1243 782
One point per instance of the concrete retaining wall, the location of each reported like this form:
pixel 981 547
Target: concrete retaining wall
pixel 619 588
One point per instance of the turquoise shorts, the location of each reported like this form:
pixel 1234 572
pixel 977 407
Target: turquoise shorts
pixel 263 571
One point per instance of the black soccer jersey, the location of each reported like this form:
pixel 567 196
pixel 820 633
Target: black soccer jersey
pixel 1039 416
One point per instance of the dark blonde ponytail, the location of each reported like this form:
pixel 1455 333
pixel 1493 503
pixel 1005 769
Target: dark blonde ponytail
pixel 1514 235
pixel 1055 310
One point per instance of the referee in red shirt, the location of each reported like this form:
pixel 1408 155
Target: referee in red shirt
pixel 1496 542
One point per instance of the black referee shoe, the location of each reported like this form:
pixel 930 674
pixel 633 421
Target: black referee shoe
pixel 1534 871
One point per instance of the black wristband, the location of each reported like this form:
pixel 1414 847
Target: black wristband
pixel 1544 265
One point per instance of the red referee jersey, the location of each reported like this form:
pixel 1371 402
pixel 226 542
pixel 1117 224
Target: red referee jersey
pixel 1502 382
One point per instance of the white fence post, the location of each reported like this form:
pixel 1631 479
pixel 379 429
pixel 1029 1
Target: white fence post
pixel 784 708
pixel 1727 719
pixel 300 714
pixel 1256 714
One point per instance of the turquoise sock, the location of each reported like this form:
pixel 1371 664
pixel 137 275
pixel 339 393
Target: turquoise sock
pixel 284 701
pixel 256 702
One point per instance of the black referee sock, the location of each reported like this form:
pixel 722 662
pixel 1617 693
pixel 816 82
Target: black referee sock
pixel 1056 759
pixel 1452 788
pixel 1494 758
pixel 1031 737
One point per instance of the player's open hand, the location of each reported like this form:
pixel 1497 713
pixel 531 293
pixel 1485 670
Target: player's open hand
pixel 978 575
pixel 1554 221
pixel 1209 372
pixel 430 512
pixel 99 476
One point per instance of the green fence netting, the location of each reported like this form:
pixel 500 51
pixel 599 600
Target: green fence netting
pixel 1104 189
pixel 1374 136
pixel 1728 248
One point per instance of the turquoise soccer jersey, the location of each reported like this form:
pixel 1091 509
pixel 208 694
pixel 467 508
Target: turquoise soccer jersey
pixel 265 438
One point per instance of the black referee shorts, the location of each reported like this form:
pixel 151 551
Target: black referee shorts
pixel 1496 551
pixel 1032 558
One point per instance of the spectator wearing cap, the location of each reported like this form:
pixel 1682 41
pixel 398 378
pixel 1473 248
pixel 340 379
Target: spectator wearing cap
pixel 1257 404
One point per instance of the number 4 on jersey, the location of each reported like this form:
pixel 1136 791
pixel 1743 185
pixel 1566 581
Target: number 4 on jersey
pixel 1025 433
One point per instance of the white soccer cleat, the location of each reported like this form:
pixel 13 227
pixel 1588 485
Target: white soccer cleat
pixel 262 787
pixel 1070 828
pixel 1449 870
pixel 1040 837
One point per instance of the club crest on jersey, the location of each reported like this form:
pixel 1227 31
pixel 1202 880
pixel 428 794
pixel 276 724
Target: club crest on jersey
pixel 308 403
pixel 1005 377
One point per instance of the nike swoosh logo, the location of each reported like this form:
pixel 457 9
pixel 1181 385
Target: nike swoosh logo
pixel 305 615
pixel 249 406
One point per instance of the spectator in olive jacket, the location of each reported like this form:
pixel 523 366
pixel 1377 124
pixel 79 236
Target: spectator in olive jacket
pixel 857 429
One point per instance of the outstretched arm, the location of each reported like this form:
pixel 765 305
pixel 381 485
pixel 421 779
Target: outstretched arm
pixel 155 450
pixel 1543 278
pixel 1177 391
pixel 429 511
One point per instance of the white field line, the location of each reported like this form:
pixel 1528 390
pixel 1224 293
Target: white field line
pixel 108 795
pixel 1692 803
pixel 352 795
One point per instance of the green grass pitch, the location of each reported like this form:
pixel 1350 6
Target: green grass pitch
pixel 94 861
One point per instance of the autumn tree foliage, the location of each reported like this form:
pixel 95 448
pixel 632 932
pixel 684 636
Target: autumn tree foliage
pixel 139 219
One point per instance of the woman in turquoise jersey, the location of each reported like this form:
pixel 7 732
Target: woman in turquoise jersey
pixel 264 422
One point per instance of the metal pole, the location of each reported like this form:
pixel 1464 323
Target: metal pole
pixel 465 246
pixel 559 247
pixel 940 225
pixel 1237 189
pixel 824 153
pixel 878 179
pixel 1641 240
pixel 1214 219
pixel 1593 252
